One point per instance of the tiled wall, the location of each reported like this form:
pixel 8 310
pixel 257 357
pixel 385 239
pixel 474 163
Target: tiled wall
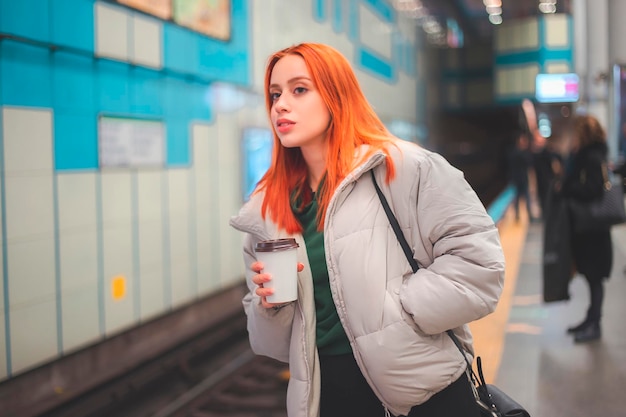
pixel 88 251
pixel 527 47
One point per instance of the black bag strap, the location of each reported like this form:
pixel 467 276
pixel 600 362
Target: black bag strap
pixel 414 266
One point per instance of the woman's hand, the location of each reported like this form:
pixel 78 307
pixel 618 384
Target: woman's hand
pixel 261 278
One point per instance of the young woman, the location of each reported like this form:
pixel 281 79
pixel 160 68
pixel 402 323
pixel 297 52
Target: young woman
pixel 366 336
pixel 592 250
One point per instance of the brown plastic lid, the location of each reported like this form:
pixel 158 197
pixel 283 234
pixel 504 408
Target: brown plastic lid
pixel 276 245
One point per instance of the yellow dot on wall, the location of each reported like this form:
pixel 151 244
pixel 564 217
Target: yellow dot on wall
pixel 118 287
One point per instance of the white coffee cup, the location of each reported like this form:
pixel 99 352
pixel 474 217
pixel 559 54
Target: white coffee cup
pixel 280 260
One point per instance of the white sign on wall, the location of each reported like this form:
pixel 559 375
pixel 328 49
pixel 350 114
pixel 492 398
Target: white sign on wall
pixel 130 143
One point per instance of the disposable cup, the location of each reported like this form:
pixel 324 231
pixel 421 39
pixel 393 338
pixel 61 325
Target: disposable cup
pixel 280 260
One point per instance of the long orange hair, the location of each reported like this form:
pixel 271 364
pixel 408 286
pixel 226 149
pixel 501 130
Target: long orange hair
pixel 353 123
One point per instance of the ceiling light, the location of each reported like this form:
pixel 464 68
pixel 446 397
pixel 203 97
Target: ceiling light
pixel 547 7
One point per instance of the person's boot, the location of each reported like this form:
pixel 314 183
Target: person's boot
pixel 589 333
pixel 578 327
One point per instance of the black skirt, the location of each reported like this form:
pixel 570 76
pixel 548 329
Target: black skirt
pixel 346 393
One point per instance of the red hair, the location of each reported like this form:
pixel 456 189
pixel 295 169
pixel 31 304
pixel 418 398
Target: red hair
pixel 353 123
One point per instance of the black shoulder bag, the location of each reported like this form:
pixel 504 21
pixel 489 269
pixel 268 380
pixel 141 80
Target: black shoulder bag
pixel 492 402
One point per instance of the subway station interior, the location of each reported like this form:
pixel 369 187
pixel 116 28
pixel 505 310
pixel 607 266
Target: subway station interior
pixel 131 131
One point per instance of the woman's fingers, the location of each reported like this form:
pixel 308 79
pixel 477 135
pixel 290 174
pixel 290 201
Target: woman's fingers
pixel 257 266
pixel 259 279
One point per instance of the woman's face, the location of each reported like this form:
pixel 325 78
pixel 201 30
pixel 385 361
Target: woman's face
pixel 299 115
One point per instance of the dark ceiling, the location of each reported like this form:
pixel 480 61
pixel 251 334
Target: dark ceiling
pixel 473 18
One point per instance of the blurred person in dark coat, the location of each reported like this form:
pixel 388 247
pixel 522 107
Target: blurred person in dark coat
pixel 520 161
pixel 592 250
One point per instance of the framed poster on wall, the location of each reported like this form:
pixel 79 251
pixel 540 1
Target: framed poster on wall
pixel 125 142
pixel 159 8
pixel 209 17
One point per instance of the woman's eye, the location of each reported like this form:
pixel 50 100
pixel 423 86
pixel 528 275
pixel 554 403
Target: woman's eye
pixel 299 90
pixel 274 96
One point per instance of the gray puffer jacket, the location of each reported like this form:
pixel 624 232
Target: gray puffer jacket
pixel 395 319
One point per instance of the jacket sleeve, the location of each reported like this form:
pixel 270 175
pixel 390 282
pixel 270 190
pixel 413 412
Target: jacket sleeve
pixel 465 279
pixel 269 330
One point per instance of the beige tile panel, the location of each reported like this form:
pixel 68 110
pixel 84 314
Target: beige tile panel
pixel 152 295
pixel 118 261
pixel 147 41
pixel 31 272
pixel 26 130
pixel 80 315
pixel 78 253
pixel 29 207
pixel 116 198
pixel 201 140
pixel 111 31
pixel 183 288
pixel 77 201
pixel 182 279
pixel 557 31
pixel 150 195
pixel 228 199
pixel 33 334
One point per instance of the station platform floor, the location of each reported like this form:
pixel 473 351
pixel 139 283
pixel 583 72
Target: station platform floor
pixel 524 345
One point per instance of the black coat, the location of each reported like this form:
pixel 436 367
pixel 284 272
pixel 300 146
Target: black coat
pixel 584 181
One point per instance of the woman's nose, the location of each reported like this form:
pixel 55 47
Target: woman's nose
pixel 281 104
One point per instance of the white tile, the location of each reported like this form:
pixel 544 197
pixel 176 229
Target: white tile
pixel 147 41
pixel 111 27
pixel 151 274
pixel 150 196
pixel 120 315
pixel 29 207
pixel 183 290
pixel 117 248
pixel 207 199
pixel 31 269
pixel 178 192
pixel 179 238
pixel 33 334
pixel 80 317
pixel 557 33
pixel 375 33
pixel 118 262
pixel 152 293
pixel 200 137
pixel 207 254
pixel 151 245
pixel 117 253
pixel 78 253
pixel 230 200
pixel 180 262
pixel 27 136
pixel 77 201
pixel 116 198
pixel 3 345
pixel 557 67
pixel 202 192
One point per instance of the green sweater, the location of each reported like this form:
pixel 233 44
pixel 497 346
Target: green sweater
pixel 330 336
